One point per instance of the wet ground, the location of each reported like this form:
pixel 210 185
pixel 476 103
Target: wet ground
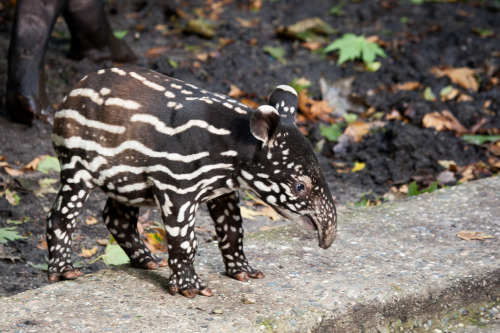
pixel 417 39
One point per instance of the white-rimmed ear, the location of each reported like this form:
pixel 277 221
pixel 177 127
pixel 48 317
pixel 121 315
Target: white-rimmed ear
pixel 265 123
pixel 285 100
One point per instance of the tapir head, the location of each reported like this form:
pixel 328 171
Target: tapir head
pixel 285 173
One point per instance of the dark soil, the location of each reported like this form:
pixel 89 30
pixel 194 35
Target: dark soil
pixel 416 38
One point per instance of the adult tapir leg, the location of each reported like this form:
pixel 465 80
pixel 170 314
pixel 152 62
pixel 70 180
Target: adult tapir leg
pixel 91 34
pixel 33 22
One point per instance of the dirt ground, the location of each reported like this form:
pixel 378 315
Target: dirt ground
pixel 416 38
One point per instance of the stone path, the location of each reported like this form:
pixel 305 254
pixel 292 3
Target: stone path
pixel 399 266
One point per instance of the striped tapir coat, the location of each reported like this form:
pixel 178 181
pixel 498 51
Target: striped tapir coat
pixel 150 140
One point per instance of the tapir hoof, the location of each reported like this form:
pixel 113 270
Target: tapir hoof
pixel 67 275
pixel 245 276
pixel 25 109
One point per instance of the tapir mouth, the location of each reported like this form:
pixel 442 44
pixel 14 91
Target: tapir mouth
pixel 307 223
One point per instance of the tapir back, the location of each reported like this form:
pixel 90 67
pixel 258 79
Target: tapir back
pixel 153 125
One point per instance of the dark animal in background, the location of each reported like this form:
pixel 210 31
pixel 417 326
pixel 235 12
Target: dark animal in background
pixel 91 36
pixel 147 139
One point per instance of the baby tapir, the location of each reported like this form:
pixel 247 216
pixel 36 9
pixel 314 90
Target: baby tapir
pixel 146 139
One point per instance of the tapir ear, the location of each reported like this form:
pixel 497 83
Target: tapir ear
pixel 285 100
pixel 265 123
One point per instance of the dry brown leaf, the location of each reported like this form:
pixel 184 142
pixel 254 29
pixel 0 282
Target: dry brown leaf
pixel 393 115
pixel 31 166
pixel 255 4
pixel 464 98
pixel 269 227
pixel 410 85
pixel 157 51
pixel 312 109
pixel 465 77
pixel 313 46
pixel 473 235
pixel 248 213
pixel 3 158
pixel 357 130
pixel 13 172
pixel 251 23
pixel 452 94
pixel 42 244
pixel 102 241
pixel 88 253
pixel 250 103
pixel 442 121
pixel 235 92
pixel 271 213
pixel 90 220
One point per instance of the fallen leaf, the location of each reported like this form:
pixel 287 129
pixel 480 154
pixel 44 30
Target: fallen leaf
pixel 358 166
pixel 235 92
pixel 465 77
pixel 157 51
pixel 473 235
pixel 313 46
pixel 269 227
pixel 357 130
pixel 250 103
pixel 248 213
pixel 255 4
pixel 429 95
pixel 102 242
pixel 251 23
pixel 90 220
pixel 32 166
pixel 410 85
pixel 13 172
pixel 201 27
pixel 307 30
pixel 48 163
pixel 442 121
pixel 313 109
pixel 87 253
pixel 42 244
pixel 270 213
pixel 448 93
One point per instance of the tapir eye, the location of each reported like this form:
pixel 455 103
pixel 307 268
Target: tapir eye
pixel 300 188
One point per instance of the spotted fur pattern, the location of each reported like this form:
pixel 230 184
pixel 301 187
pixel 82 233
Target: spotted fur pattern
pixel 146 139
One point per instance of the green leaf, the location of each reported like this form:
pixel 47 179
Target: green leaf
pixel 413 188
pixel 350 118
pixel 276 52
pixel 42 267
pixel 337 10
pixel 428 94
pixel 17 222
pixel 353 47
pixel 120 34
pixel 48 163
pixel 373 66
pixel 173 63
pixel 446 90
pixel 331 133
pixel 10 233
pixel 480 139
pixel 114 255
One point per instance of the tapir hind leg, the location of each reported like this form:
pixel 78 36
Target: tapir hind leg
pixel 60 227
pixel 121 221
pixel 225 211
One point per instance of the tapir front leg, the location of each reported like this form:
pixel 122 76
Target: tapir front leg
pixel 182 246
pixel 225 211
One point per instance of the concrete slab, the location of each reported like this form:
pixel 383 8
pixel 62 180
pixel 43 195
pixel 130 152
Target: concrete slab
pixel 391 265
